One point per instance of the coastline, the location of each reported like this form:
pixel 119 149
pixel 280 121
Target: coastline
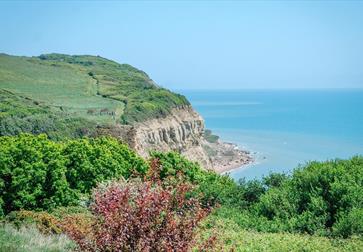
pixel 228 157
pixel 232 166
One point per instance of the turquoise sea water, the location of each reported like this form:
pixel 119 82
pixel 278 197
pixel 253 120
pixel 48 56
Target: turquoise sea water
pixel 284 128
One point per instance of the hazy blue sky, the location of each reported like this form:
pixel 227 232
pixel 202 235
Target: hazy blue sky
pixel 203 44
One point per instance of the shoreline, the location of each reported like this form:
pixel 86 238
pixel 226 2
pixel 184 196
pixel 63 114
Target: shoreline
pixel 234 166
pixel 228 157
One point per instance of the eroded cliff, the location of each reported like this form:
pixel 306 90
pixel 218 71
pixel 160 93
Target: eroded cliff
pixel 181 131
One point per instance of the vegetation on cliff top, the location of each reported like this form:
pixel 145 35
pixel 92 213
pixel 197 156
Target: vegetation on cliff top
pixel 84 87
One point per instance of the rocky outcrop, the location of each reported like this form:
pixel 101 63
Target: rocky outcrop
pixel 182 131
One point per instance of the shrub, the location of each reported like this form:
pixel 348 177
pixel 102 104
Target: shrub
pixel 32 174
pixel 323 191
pixel 45 222
pixel 139 216
pixel 350 223
pixel 210 187
pixel 173 163
pixel 39 174
pixel 61 212
pixel 90 161
pixel 319 198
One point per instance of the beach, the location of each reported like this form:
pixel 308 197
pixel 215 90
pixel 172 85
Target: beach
pixel 228 156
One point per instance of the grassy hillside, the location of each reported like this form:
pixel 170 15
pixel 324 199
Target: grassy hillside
pixel 21 114
pixel 29 239
pixel 234 238
pixel 88 87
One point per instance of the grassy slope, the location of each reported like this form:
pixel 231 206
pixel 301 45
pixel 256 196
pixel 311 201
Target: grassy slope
pixel 21 114
pixel 29 239
pixel 90 87
pixel 59 85
pixel 232 236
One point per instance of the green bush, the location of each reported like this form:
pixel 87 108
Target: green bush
pixel 212 187
pixel 173 163
pixel 32 173
pixel 90 161
pixel 323 198
pixel 349 223
pixel 45 222
pixel 37 173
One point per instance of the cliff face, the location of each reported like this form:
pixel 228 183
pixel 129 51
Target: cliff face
pixel 181 131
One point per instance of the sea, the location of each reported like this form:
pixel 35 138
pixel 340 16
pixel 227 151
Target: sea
pixel 284 129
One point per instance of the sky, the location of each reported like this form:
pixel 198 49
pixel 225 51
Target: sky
pixel 201 45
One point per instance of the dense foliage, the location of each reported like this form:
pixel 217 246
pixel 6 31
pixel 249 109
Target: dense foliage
pixel 213 189
pixel 319 198
pixel 139 216
pixel 37 173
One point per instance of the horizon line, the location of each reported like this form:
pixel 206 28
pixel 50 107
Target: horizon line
pixel 265 89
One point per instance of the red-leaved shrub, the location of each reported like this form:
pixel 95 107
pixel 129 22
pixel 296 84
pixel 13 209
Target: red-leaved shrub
pixel 139 216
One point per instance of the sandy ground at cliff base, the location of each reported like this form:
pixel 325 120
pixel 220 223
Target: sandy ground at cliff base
pixel 231 166
pixel 227 156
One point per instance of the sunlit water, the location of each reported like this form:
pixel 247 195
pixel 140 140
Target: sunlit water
pixel 284 128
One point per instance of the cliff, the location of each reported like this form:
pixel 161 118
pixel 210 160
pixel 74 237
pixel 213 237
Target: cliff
pixel 181 131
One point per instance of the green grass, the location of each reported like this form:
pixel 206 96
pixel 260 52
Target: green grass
pixel 232 236
pixel 90 87
pixel 21 114
pixel 29 239
pixel 59 85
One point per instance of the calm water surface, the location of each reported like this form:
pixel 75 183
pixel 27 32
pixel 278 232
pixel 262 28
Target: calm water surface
pixel 284 128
